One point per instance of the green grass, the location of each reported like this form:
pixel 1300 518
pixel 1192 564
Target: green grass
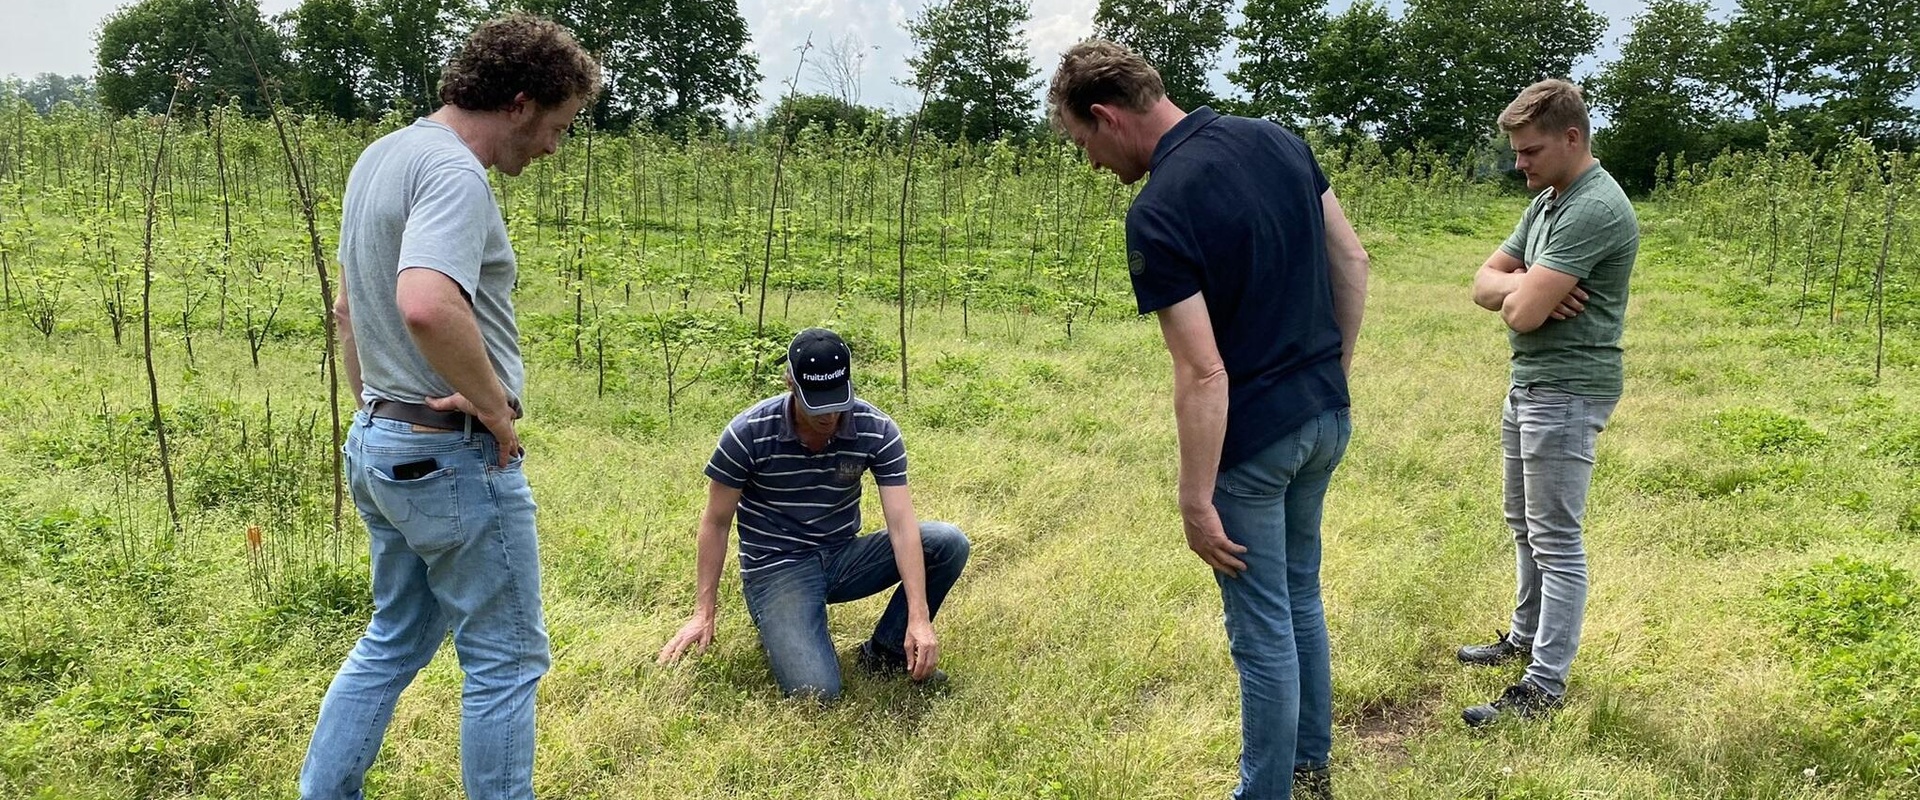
pixel 1085 641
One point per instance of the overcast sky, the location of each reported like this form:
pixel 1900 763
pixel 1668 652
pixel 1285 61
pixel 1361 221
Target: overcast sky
pixel 57 36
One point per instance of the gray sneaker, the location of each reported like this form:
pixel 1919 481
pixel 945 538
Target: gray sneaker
pixel 1503 650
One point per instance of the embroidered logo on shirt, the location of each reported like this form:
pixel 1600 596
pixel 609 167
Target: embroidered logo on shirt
pixel 1136 262
pixel 847 470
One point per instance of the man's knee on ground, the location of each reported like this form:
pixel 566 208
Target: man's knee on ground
pixel 820 689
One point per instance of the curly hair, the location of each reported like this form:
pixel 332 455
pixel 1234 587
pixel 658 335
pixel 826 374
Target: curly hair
pixel 1099 71
pixel 1550 105
pixel 519 53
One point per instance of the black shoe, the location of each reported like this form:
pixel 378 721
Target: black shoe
pixel 1521 699
pixel 1313 784
pixel 885 663
pixel 1502 650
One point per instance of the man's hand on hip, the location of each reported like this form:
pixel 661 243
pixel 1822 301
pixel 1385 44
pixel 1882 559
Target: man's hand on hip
pixel 1208 539
pixel 499 421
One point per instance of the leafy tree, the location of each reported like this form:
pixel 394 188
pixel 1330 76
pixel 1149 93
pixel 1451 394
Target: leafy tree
pixel 1871 51
pixel 1768 48
pixel 145 48
pixel 330 50
pixel 1661 97
pixel 1466 59
pixel 832 114
pixel 672 63
pixel 971 63
pixel 1181 40
pixel 47 90
pixel 409 43
pixel 1353 77
pixel 1276 43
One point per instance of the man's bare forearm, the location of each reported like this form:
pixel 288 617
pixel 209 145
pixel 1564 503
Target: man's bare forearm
pixel 710 556
pixel 349 348
pixel 1200 415
pixel 909 555
pixel 1491 286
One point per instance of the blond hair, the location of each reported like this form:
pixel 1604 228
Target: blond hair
pixel 1103 72
pixel 1551 105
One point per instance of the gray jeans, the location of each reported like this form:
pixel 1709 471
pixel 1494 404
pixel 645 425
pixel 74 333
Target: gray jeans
pixel 1548 437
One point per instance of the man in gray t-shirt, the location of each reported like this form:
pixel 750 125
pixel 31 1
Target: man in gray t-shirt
pixel 432 460
pixel 1560 284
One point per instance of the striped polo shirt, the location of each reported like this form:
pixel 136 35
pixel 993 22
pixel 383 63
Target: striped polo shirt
pixel 792 499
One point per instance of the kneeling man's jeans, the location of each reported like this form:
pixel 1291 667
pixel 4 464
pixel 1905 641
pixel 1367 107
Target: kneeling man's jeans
pixel 1276 626
pixel 789 602
pixel 1548 438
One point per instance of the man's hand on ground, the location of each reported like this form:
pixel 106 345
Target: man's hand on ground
pixel 923 650
pixel 694 636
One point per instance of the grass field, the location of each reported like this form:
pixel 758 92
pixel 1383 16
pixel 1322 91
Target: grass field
pixel 1751 634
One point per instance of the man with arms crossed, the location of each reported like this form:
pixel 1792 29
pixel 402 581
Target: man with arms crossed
pixel 432 460
pixel 1240 249
pixel 1560 284
pixel 790 466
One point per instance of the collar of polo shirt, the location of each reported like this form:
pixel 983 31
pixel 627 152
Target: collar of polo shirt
pixel 844 430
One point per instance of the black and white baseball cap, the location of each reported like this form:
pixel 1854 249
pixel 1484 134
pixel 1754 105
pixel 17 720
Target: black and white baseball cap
pixel 821 367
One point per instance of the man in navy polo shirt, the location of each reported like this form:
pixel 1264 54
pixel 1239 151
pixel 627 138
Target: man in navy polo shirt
pixel 1240 249
pixel 791 466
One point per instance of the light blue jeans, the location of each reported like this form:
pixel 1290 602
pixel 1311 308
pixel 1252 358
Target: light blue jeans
pixel 789 603
pixel 1548 439
pixel 453 548
pixel 1276 625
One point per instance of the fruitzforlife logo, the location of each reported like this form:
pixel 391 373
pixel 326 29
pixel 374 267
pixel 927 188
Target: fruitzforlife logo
pixel 822 377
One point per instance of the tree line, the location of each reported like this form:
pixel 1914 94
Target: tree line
pixel 1431 77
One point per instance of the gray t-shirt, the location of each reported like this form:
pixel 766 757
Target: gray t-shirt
pixel 418 198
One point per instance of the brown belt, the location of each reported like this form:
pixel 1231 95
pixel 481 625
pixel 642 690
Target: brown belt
pixel 424 415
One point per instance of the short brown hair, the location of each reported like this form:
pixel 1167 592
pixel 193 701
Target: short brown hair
pixel 1550 105
pixel 1099 71
pixel 519 53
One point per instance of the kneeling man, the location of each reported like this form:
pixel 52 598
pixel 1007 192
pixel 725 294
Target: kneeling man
pixel 791 467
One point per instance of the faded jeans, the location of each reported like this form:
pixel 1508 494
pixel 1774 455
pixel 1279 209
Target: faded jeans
pixel 1276 625
pixel 455 549
pixel 1548 438
pixel 789 603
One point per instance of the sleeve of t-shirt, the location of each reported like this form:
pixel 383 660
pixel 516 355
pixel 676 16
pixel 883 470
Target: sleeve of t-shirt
pixel 452 208
pixel 1582 236
pixel 732 461
pixel 889 460
pixel 1320 183
pixel 1163 271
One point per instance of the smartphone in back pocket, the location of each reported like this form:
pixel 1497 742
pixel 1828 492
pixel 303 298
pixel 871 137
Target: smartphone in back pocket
pixel 415 470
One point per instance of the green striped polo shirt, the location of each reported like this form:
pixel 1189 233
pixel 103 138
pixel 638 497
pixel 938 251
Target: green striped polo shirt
pixel 1591 233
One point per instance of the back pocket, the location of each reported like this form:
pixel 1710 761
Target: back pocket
pixel 426 510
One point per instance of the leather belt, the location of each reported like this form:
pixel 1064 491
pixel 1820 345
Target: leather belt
pixel 424 415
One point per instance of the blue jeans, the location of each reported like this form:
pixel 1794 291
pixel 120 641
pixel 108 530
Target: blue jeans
pixel 1548 438
pixel 453 548
pixel 1276 626
pixel 789 603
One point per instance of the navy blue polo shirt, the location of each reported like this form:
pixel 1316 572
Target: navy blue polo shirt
pixel 1232 212
pixel 793 500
